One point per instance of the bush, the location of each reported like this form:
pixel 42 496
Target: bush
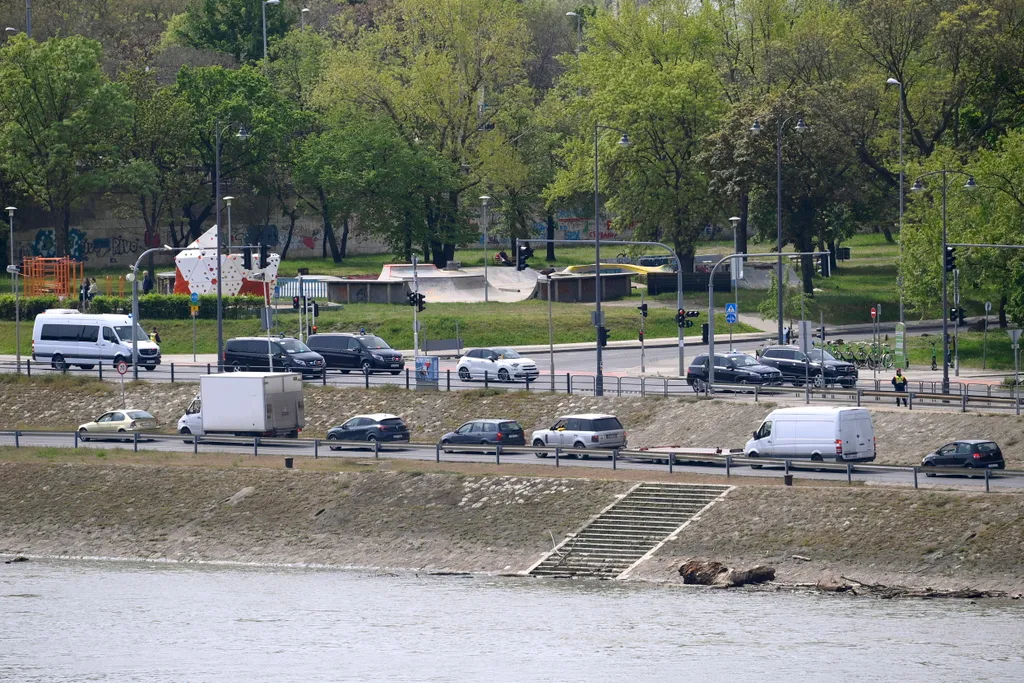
pixel 151 306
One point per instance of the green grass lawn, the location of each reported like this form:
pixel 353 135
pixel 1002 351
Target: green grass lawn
pixel 492 324
pixel 999 354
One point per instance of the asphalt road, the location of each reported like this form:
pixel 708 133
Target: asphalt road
pixel 304 449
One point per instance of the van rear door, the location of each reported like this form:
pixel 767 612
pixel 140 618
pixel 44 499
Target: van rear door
pixel 857 434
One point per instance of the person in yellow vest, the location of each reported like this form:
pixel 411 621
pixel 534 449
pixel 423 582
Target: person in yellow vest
pixel 155 336
pixel 899 383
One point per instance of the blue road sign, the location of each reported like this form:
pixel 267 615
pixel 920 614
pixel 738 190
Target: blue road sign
pixel 730 318
pixel 732 308
pixel 195 297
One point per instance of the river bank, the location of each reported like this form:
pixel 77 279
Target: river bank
pixel 443 521
pixel 903 436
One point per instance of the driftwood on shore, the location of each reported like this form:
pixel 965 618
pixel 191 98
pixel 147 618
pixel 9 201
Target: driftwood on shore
pixel 855 587
pixel 710 573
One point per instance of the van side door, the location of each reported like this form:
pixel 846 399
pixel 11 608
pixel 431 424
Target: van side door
pixel 108 345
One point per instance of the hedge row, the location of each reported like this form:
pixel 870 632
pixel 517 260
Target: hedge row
pixel 151 306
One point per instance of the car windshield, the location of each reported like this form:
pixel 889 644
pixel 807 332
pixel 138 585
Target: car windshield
pixel 606 424
pixel 817 354
pixel 124 333
pixel 509 427
pixel 139 415
pixel 373 342
pixel 393 422
pixel 743 361
pixel 506 353
pixel 293 346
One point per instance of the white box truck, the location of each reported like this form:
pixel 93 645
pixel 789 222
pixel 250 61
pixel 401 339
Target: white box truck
pixel 246 404
pixel 815 433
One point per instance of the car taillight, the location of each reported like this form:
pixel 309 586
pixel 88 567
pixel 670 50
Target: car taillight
pixel 977 455
pixel 132 425
pixel 225 355
pixel 624 435
pixel 595 438
pixel 839 446
pixel 499 437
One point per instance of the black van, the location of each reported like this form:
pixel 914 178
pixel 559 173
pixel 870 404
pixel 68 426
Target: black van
pixel 251 353
pixel 366 352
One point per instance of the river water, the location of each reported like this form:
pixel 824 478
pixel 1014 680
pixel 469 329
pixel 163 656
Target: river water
pixel 109 621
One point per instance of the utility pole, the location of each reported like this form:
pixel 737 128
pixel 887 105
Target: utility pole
pixel 415 309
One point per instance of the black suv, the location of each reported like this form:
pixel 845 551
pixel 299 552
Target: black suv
pixel 348 352
pixel 820 366
pixel 731 368
pixel 251 353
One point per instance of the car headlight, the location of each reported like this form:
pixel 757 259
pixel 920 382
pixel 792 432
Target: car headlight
pixel 299 362
pixel 515 365
pixel 377 356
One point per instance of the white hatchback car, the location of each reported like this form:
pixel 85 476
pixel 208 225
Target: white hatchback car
pixel 587 431
pixel 500 364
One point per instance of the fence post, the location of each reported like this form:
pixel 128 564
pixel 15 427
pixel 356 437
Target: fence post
pixel 316 448
pixel 17 439
pixel 135 438
pixel 376 448
pixel 195 444
pixel 99 366
pixel 728 465
pixel 568 383
pixel 172 373
pixel 28 367
pixel 76 438
pixel 437 452
pixel 615 458
pixel 643 387
pixel 756 387
pixel 987 472
pixel 407 378
pixel 915 476
pixel 557 451
pixel 963 405
pixel 664 383
pixel 849 473
pixel 255 446
pixel 448 379
pixel 858 397
pixel 208 369
pixel 323 375
pixel 910 400
pixel 497 454
pixel 366 380
pixel 485 379
pixel 671 459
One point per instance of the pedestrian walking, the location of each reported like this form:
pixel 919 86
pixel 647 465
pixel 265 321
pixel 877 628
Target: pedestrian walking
pixel 147 283
pixel 899 383
pixel 155 336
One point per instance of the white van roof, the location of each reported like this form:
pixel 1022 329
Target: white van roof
pixel 59 314
pixel 816 410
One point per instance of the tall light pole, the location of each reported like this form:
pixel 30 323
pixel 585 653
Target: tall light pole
pixel 899 277
pixel 780 125
pixel 241 135
pixel 28 18
pixel 302 18
pixel 265 3
pixel 12 268
pixel 228 200
pixel 598 319
pixel 918 187
pixel 579 29
pixel 484 200
pixel 132 277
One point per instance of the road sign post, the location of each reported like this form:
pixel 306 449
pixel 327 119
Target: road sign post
pixel 1015 338
pixel 984 344
pixel 643 318
pixel 901 345
pixel 732 314
pixel 122 369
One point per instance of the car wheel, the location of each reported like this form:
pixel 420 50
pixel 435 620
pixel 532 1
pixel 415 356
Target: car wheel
pixel 464 374
pixel 929 466
pixel 700 386
pixel 149 368
pixel 819 381
pixel 332 437
pixel 118 360
pixel 504 376
pixel 372 440
pixel 87 367
pixel 58 362
pixel 581 456
pixel 236 367
pixel 366 366
pixel 82 434
pixel 444 442
pixel 185 431
pixel 123 433
pixel 537 443
pixel 753 454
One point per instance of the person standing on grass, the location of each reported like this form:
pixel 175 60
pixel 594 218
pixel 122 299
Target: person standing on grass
pixel 899 383
pixel 155 336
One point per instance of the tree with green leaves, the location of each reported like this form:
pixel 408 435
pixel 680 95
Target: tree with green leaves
pixel 233 26
pixel 59 115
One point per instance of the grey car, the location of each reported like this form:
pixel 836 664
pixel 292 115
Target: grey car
pixel 485 432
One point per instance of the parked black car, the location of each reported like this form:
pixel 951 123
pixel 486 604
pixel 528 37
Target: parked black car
pixel 820 366
pixel 251 353
pixel 731 368
pixel 376 427
pixel 967 453
pixel 487 432
pixel 366 352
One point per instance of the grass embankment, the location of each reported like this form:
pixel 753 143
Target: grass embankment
pixel 491 324
pixel 998 356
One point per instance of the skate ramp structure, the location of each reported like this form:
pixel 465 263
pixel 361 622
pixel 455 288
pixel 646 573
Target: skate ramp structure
pixel 504 284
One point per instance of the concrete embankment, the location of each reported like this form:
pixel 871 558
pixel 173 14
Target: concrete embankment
pixel 903 436
pixel 218 510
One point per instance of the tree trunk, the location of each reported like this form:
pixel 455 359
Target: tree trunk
pixel 832 256
pixel 325 214
pixel 407 240
pixel 550 235
pixel 741 230
pixel 288 240
pixel 344 237
pixel 1002 311
pixel 61 238
pixel 887 231
pixel 685 253
pixel 332 240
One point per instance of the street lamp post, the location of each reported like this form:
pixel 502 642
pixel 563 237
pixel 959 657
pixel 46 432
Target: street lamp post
pixel 918 187
pixel 28 18
pixel 228 200
pixel 899 278
pixel 133 278
pixel 598 285
pixel 12 268
pixel 302 18
pixel 579 29
pixel 241 135
pixel 484 200
pixel 265 3
pixel 780 125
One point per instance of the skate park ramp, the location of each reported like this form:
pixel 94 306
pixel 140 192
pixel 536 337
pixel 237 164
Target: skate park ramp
pixel 504 284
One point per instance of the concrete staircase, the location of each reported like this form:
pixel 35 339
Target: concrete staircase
pixel 628 531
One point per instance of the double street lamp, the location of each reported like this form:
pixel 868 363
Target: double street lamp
pixel 598 319
pixel 918 187
pixel 800 127
pixel 265 3
pixel 899 278
pixel 13 269
pixel 243 135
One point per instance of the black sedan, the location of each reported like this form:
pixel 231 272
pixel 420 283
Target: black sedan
pixel 731 368
pixel 370 429
pixel 967 453
pixel 487 433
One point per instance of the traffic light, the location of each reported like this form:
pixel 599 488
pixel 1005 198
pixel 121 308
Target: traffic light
pixel 295 302
pixel 246 258
pixel 602 336
pixel 693 314
pixel 264 249
pixel 681 317
pixel 419 300
pixel 643 309
pixel 641 335
pixel 950 262
pixel 819 333
pixel 315 307
pixel 688 323
pixel 412 298
pixel 522 253
pixel 954 315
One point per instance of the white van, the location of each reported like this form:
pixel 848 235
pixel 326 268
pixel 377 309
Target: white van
pixel 65 337
pixel 816 433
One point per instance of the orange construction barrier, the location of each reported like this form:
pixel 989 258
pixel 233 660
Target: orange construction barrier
pixel 59 276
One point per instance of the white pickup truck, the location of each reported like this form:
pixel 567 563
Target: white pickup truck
pixel 246 404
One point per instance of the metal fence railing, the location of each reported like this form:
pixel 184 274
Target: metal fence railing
pixel 665 459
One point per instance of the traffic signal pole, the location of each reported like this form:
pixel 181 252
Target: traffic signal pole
pixel 415 309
